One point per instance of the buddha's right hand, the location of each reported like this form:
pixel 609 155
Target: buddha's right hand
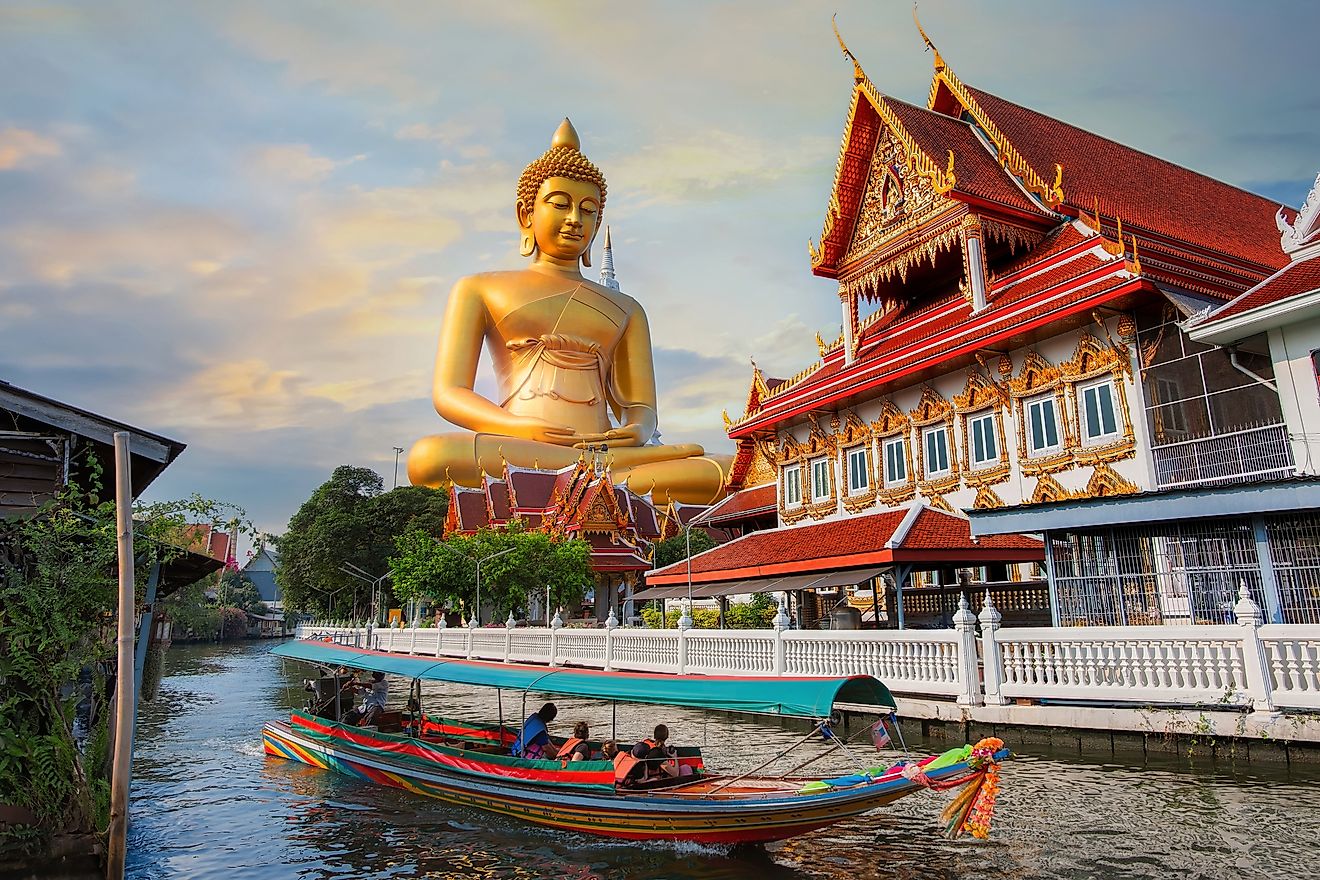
pixel 542 431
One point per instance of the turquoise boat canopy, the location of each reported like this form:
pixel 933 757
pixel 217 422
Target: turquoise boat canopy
pixel 796 697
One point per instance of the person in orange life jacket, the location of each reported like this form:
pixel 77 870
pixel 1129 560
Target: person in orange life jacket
pixel 654 758
pixel 575 748
pixel 534 739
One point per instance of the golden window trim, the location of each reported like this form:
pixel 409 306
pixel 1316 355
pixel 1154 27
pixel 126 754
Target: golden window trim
pixel 942 481
pixel 1052 461
pixel 892 421
pixel 991 476
pixel 991 472
pixel 1124 446
pixel 866 498
pixel 896 495
pixel 931 408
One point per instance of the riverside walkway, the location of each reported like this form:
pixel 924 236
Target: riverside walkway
pixel 1247 681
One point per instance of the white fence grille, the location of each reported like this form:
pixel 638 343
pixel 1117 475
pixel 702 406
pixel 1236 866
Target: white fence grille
pixel 1253 454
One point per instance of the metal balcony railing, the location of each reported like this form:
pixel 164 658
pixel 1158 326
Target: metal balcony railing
pixel 1260 453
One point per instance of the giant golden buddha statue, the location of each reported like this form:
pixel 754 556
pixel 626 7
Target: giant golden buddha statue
pixel 572 357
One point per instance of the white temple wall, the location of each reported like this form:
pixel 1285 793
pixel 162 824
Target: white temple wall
pixel 1294 372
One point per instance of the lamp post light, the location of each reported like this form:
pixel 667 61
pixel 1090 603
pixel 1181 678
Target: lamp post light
pixel 353 571
pixel 398 450
pixel 687 541
pixel 477 560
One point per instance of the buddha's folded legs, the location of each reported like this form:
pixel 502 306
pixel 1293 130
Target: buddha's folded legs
pixel 677 471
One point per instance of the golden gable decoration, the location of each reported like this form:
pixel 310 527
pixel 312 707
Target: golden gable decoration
pixel 931 408
pixel 986 499
pixel 1106 482
pixel 1049 489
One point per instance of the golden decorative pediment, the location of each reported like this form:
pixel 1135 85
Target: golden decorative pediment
pixel 1037 374
pixel 937 502
pixel 931 408
pixel 892 420
pixel 979 393
pixel 854 430
pixel 1049 489
pixel 1106 482
pixel 1095 358
pixel 818 439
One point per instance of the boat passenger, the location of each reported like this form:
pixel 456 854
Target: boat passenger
pixel 534 739
pixel 649 759
pixel 374 704
pixel 575 748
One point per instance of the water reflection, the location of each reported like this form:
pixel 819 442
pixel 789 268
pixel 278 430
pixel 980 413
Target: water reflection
pixel 208 803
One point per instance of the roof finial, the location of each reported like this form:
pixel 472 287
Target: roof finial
pixel 939 62
pixel 607 264
pixel 858 73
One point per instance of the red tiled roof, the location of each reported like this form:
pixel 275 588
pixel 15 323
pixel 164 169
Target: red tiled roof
pixel 934 537
pixel 1294 279
pixel 472 514
pixel 1147 192
pixel 499 500
pixel 977 171
pixel 755 500
pixel 531 489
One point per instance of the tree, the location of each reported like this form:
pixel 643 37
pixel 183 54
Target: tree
pixel 349 518
pixel 447 574
pixel 238 591
pixel 674 549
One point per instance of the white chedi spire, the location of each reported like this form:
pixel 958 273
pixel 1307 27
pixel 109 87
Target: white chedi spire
pixel 607 265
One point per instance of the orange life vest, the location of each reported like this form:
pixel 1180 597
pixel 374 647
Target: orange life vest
pixel 565 752
pixel 624 762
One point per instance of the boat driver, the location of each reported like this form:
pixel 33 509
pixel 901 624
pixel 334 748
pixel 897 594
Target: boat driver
pixel 374 704
pixel 534 739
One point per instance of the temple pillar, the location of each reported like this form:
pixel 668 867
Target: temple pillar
pixel 848 302
pixel 974 262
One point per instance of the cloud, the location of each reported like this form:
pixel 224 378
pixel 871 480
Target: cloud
pixel 294 162
pixel 19 147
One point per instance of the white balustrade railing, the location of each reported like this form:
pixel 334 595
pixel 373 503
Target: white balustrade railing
pixel 1242 665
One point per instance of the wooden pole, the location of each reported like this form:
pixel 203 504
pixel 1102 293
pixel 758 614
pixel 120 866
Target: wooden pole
pixel 124 689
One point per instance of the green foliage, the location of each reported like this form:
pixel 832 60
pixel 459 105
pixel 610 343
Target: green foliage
pixel 674 549
pixel 233 624
pixel 759 613
pixel 194 616
pixel 350 519
pixel 237 591
pixel 446 572
pixel 58 597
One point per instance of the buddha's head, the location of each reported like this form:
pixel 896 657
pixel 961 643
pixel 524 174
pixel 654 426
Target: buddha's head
pixel 561 197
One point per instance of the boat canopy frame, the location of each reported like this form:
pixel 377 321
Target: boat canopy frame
pixel 788 696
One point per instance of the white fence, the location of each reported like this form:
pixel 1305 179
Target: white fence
pixel 1242 665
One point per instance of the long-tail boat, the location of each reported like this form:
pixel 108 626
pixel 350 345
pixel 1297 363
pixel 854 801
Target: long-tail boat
pixel 471 764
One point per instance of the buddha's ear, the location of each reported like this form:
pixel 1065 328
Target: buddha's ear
pixel 527 241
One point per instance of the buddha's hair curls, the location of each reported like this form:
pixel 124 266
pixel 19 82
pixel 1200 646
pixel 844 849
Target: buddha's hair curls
pixel 559 161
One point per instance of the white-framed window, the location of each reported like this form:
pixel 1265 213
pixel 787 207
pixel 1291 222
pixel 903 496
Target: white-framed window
pixel 1043 433
pixel 859 470
pixel 820 479
pixel 936 443
pixel 983 440
pixel 896 461
pixel 793 485
pixel 1099 414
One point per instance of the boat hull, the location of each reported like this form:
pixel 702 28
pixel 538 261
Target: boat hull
pixel 756 818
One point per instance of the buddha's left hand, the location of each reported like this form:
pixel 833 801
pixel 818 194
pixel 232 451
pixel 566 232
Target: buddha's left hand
pixel 624 435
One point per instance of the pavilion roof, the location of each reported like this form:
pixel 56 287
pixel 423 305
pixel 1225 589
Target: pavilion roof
pixel 916 534
pixel 743 504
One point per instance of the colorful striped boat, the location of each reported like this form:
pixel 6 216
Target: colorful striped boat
pixel 469 764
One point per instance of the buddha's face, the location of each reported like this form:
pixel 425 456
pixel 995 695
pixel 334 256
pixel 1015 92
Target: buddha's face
pixel 564 217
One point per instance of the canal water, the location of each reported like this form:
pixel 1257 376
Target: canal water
pixel 207 803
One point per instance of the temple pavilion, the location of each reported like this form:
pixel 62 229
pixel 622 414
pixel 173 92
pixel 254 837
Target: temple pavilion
pixel 1016 358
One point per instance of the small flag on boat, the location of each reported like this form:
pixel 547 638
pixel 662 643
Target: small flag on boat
pixel 880 734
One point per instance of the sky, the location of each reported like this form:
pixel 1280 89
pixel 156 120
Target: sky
pixel 236 224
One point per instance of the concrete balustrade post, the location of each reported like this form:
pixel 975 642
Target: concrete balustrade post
pixel 509 624
pixel 991 664
pixel 471 635
pixel 1255 665
pixel 969 668
pixel 555 626
pixel 412 640
pixel 781 625
pixel 684 624
pixel 611 624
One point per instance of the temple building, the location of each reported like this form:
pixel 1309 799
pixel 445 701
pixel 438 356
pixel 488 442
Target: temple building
pixel 1036 320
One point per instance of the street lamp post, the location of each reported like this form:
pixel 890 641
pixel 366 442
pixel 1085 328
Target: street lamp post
pixel 353 571
pixel 398 450
pixel 687 541
pixel 477 560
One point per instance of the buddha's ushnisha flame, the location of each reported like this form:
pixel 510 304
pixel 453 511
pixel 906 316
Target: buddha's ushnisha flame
pixel 563 159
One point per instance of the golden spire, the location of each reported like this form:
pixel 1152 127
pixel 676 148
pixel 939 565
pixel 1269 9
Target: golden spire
pixel 566 136
pixel 939 62
pixel 858 73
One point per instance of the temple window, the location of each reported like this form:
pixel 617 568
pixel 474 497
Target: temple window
pixel 793 485
pixel 936 443
pixel 1043 425
pixel 983 437
pixel 859 470
pixel 1098 417
pixel 896 461
pixel 820 479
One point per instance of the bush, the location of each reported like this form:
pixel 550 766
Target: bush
pixel 233 624
pixel 740 615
